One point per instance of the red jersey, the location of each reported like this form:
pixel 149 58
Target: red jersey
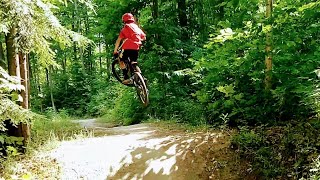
pixel 133 36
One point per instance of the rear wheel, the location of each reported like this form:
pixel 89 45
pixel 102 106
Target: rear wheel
pixel 141 88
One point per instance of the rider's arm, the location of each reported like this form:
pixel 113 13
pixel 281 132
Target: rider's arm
pixel 143 36
pixel 117 45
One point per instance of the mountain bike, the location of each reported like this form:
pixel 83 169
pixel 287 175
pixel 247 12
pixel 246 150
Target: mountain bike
pixel 138 81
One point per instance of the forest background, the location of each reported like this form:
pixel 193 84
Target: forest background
pixel 207 63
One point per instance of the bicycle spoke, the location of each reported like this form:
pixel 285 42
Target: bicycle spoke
pixel 141 88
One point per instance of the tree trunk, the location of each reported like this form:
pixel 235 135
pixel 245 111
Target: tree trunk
pixel 65 72
pixel 268 58
pixel 23 64
pixel 29 76
pixel 91 62
pixel 155 15
pixel 219 15
pixel 74 26
pixel 100 53
pixel 11 53
pixel 108 61
pixel 183 20
pixel 2 58
pixel 63 63
pixel 182 13
pixel 203 31
pixel 35 80
pixel 155 9
pixel 14 61
pixel 49 82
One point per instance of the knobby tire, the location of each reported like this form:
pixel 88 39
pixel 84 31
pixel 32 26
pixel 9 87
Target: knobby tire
pixel 139 83
pixel 141 88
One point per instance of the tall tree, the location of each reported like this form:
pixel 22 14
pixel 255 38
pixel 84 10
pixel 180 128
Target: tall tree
pixel 155 9
pixel 182 15
pixel 31 26
pixel 11 52
pixel 268 58
pixel 2 57
pixel 201 14
pixel 24 129
pixel 17 67
pixel 49 84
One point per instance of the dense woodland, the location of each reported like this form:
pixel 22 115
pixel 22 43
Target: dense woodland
pixel 251 64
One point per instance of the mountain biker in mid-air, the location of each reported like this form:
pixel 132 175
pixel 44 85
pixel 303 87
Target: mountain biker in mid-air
pixel 131 36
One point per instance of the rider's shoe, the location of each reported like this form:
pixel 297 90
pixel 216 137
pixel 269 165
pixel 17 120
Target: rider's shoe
pixel 127 81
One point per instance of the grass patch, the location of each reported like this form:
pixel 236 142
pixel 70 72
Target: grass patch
pixel 127 110
pixel 173 125
pixel 60 128
pixel 109 119
pixel 46 134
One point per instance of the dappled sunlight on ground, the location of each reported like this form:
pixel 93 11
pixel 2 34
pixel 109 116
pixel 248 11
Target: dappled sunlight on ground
pixel 139 152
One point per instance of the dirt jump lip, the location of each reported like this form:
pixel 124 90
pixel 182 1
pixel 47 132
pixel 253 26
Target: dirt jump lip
pixel 133 152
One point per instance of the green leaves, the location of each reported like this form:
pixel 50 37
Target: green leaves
pixel 2 139
pixel 226 34
pixel 36 25
pixel 235 62
pixel 9 110
pixel 310 5
pixel 228 90
pixel 10 144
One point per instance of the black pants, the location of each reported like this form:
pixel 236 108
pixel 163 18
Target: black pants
pixel 126 55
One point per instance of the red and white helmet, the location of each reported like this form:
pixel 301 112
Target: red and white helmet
pixel 127 17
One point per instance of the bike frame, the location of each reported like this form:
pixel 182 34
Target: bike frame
pixel 135 73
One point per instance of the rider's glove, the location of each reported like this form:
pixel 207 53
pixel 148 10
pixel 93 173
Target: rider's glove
pixel 115 55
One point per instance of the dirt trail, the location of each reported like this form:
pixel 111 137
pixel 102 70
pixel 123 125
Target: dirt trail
pixel 143 152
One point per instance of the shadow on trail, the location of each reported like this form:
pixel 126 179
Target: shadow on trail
pixel 137 152
pixel 171 157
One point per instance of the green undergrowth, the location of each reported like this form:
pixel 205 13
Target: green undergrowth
pixel 125 108
pixel 282 152
pixel 173 124
pixel 59 126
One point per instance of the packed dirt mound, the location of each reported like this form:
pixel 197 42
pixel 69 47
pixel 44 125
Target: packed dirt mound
pixel 146 152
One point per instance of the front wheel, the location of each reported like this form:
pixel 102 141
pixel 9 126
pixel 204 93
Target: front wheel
pixel 142 90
